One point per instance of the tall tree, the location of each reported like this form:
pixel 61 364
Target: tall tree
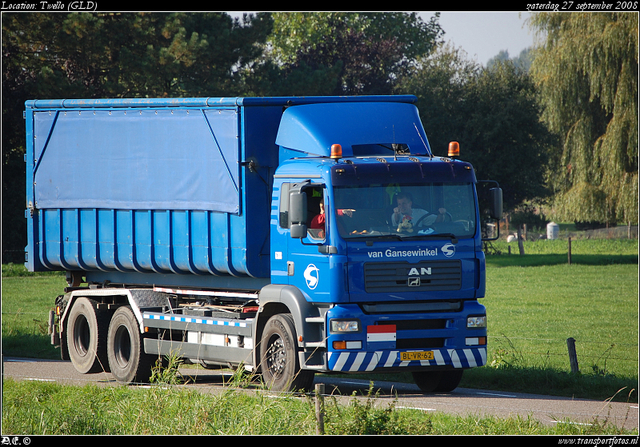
pixel 587 75
pixel 441 82
pixel 492 113
pixel 94 55
pixel 355 53
pixel 505 138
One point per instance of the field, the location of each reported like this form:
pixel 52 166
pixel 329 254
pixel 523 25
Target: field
pixel 534 304
pixel 537 301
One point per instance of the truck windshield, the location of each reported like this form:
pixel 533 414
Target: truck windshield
pixel 399 210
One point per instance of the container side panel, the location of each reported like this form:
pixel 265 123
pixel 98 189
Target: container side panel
pixel 219 235
pixel 87 247
pixel 106 242
pixel 181 254
pixel 161 242
pixel 50 245
pixel 144 257
pixel 125 241
pixel 201 242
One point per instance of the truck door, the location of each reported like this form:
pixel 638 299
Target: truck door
pixel 309 224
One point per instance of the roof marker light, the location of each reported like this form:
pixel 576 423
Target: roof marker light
pixel 454 149
pixel 336 151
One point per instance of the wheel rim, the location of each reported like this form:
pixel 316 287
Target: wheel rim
pixel 122 346
pixel 81 335
pixel 276 356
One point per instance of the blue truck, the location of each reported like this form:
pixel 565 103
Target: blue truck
pixel 288 236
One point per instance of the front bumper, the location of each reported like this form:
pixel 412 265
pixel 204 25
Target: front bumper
pixel 389 360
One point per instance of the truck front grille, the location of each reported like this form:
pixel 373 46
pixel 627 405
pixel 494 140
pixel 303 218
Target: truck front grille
pixel 406 277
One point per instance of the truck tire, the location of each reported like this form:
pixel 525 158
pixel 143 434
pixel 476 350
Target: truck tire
pixel 87 337
pixel 125 348
pixel 437 381
pixel 279 356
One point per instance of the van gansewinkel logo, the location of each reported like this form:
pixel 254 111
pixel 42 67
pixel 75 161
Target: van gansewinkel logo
pixel 311 276
pixel 448 250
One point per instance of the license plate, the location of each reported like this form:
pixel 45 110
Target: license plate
pixel 416 355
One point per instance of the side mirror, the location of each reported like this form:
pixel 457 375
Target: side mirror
pixel 495 196
pixel 298 214
pixel 490 202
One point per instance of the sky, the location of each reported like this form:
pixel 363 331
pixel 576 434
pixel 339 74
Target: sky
pixel 482 35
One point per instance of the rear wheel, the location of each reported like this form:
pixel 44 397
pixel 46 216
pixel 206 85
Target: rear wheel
pixel 437 381
pixel 125 348
pixel 279 356
pixel 87 336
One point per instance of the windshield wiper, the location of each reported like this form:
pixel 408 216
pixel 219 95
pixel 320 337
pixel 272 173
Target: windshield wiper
pixel 454 239
pixel 400 237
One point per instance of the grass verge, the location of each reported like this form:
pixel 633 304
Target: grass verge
pixel 37 408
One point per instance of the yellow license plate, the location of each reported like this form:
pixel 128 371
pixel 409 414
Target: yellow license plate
pixel 416 355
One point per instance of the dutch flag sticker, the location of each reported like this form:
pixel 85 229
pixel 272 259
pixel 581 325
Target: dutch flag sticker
pixel 382 336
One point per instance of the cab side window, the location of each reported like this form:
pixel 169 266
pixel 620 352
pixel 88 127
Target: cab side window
pixel 316 213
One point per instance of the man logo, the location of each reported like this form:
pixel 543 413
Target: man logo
pixel 415 274
pixel 423 271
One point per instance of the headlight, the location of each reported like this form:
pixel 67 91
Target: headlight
pixel 342 326
pixel 478 321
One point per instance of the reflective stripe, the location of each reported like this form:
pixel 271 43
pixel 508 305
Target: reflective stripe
pixel 183 319
pixel 455 359
pixel 471 360
pixel 375 358
pixel 342 358
pixel 368 361
pixel 358 361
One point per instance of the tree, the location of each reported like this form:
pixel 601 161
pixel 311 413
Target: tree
pixel 355 53
pixel 110 55
pixel 506 140
pixel 586 72
pixel 441 81
pixel 522 61
pixel 492 113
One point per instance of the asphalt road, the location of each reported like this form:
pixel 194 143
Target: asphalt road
pixel 462 401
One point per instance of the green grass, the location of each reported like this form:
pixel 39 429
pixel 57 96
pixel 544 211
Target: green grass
pixel 26 301
pixel 537 301
pixel 37 408
pixel 555 252
pixel 533 312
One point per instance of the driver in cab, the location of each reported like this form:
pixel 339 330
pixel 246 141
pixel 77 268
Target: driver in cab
pixel 405 212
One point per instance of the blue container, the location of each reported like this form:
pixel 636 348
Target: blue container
pixel 168 186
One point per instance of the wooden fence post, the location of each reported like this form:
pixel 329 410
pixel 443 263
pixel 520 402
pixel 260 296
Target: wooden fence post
pixel 319 409
pixel 520 245
pixel 573 357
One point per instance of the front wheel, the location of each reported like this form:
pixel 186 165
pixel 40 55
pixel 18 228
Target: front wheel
pixel 438 381
pixel 279 356
pixel 125 348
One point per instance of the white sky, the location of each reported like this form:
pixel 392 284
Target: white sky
pixel 484 34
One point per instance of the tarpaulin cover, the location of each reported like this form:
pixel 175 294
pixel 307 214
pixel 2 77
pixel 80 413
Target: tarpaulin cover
pixel 182 159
